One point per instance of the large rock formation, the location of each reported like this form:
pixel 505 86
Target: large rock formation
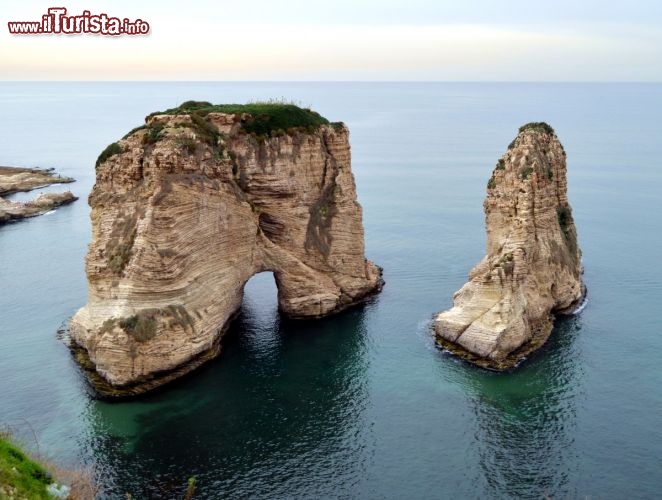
pixel 187 208
pixel 532 268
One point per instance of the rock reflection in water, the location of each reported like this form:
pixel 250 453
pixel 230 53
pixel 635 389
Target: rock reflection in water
pixel 280 411
pixel 525 421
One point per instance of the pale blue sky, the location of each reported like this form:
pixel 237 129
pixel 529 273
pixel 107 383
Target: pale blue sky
pixel 474 40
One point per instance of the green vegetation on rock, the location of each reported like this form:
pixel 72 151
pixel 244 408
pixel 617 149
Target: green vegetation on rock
pixel 565 216
pixel 119 247
pixel 533 127
pixel 111 150
pixel 190 488
pixel 134 130
pixel 267 119
pixel 144 325
pixel 205 129
pixel 21 477
pixel 525 172
pixel 537 127
pixel 507 263
pixel 153 133
pixel 188 144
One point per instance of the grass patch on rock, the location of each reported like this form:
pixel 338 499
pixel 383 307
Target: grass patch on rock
pixel 21 477
pixel 145 324
pixel 188 145
pixel 119 247
pixel 525 172
pixel 537 127
pixel 564 216
pixel 265 119
pixel 142 326
pixel 153 133
pixel 566 223
pixel 111 150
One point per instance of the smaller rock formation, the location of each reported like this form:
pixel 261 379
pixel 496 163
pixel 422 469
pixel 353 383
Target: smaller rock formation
pixel 16 179
pixel 532 268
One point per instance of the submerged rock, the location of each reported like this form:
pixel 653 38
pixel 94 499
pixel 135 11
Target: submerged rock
pixel 532 269
pixel 187 208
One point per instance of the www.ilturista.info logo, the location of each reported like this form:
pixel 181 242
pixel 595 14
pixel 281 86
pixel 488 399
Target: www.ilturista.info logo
pixel 57 22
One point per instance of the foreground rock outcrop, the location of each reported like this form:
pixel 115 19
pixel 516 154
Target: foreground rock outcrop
pixel 532 269
pixel 18 179
pixel 189 207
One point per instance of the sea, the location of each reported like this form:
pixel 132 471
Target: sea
pixel 361 404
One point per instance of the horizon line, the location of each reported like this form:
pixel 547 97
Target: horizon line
pixel 334 81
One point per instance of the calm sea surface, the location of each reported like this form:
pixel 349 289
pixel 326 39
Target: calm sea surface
pixel 362 405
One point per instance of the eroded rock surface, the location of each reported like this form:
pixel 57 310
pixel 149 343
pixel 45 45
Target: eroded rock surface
pixel 532 269
pixel 189 207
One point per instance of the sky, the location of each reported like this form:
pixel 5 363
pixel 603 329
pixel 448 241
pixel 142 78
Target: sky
pixel 355 40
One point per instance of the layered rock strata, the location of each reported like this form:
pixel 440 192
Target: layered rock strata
pixel 185 210
pixel 532 269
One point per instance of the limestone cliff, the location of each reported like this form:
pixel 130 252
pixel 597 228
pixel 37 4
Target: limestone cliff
pixel 532 268
pixel 189 207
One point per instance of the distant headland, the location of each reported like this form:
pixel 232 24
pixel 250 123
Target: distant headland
pixel 20 179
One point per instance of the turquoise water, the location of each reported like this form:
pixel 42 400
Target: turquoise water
pixel 362 405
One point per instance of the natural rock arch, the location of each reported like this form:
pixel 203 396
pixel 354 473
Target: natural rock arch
pixel 185 210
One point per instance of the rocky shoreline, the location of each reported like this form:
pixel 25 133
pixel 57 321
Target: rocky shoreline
pixel 19 179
